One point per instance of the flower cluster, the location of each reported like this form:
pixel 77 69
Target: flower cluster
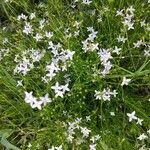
pixel 26 60
pixel 106 94
pixel 128 15
pixel 105 56
pixel 60 89
pixel 74 127
pixel 133 117
pixel 88 44
pixel 34 103
pixel 59 62
pixel 61 57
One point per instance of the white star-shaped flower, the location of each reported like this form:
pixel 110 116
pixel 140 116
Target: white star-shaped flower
pixel 93 147
pixel 142 137
pixel 119 13
pixel 19 83
pixel 112 113
pixel 65 87
pixel 29 97
pixel 38 37
pixel 59 148
pixel 98 95
pixel 85 131
pixel 125 81
pixel 56 87
pixel 45 99
pixel 139 121
pixel 148 131
pixel 88 118
pixel 49 34
pixel 117 50
pixel 37 104
pixel 132 116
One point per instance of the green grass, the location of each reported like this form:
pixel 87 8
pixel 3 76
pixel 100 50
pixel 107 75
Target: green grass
pixel 20 124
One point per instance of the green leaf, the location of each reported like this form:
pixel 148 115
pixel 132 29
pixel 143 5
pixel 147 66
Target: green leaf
pixel 8 145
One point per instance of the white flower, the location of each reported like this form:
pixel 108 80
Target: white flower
pixel 5 40
pixel 65 87
pixel 88 118
pixel 117 50
pixel 60 89
pixel 38 37
pixel 105 55
pixel 142 148
pixel 107 67
pixel 92 36
pixel 77 24
pixel 85 131
pixel 27 28
pixel 94 46
pixel 119 13
pixel 105 95
pixel 56 87
pixel 86 2
pixel 29 98
pixel 139 121
pixel 59 148
pixel 45 99
pixel 19 83
pixel 79 141
pixel 78 120
pixel 114 93
pixel 131 9
pixel 32 15
pixel 95 138
pixel 22 16
pixel 132 116
pixel 125 81
pixel 51 70
pixel 49 34
pixel 142 137
pixel 37 104
pixel 121 39
pixel 69 54
pixel 147 52
pixel 70 138
pixel 29 145
pixel 142 23
pixel 112 113
pixel 138 44
pixel 76 33
pixel 98 95
pixel 93 146
pixel 90 29
pixel 130 26
pixel 42 23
